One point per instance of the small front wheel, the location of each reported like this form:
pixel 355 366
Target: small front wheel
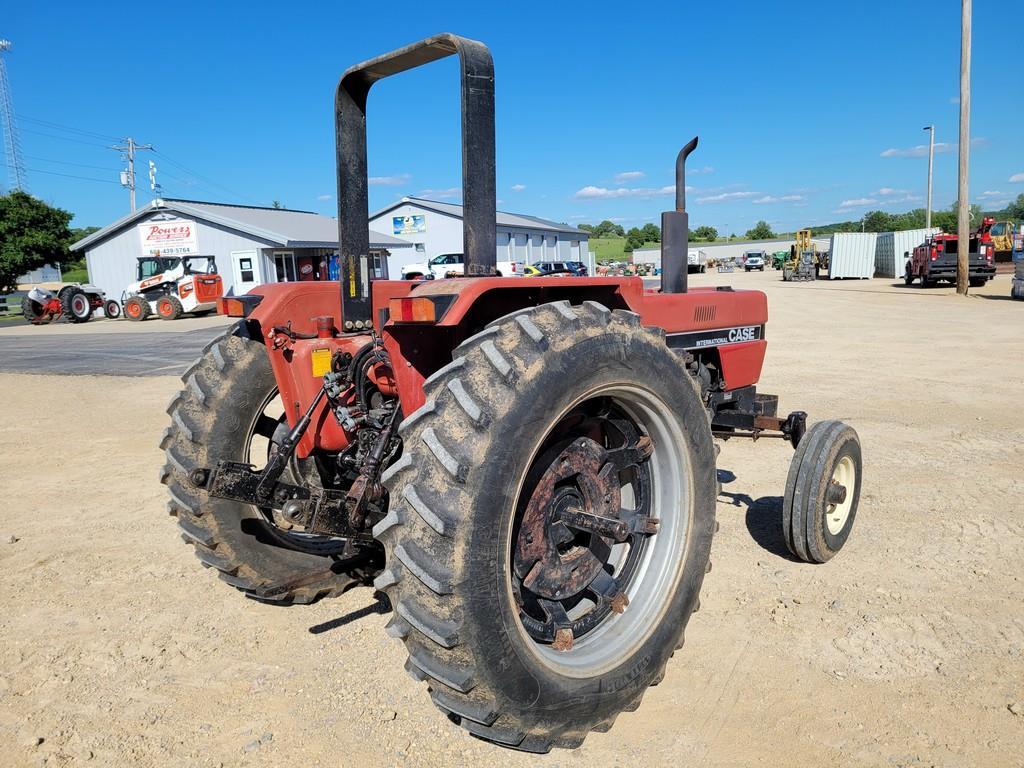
pixel 822 491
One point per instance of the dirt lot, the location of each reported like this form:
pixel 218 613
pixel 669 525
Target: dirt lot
pixel 907 649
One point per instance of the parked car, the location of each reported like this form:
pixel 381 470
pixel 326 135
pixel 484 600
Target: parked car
pixel 451 265
pixel 559 267
pixel 754 260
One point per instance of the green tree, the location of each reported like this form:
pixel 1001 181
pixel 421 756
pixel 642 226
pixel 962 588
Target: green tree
pixel 32 234
pixel 878 221
pixel 1015 210
pixel 608 229
pixel 705 234
pixel 761 231
pixel 651 233
pixel 634 238
pixel 586 227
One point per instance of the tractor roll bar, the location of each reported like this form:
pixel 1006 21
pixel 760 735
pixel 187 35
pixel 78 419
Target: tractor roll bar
pixel 675 231
pixel 479 234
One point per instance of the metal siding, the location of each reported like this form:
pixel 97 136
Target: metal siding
pixel 889 259
pixel 852 254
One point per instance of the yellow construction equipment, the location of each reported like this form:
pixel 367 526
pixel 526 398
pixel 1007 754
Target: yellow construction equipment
pixel 804 260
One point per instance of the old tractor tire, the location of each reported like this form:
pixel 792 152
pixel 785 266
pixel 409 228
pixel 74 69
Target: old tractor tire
pixel 816 516
pixel 75 306
pixel 215 417
pixel 32 311
pixel 473 493
pixel 112 309
pixel 136 308
pixel 169 308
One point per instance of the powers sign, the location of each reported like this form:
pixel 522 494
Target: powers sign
pixel 176 237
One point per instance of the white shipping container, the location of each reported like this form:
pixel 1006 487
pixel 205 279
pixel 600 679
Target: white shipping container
pixel 892 248
pixel 45 274
pixel 852 254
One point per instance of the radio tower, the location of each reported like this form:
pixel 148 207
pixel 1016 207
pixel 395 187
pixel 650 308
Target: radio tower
pixel 12 148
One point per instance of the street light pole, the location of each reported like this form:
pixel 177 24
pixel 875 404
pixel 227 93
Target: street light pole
pixel 963 221
pixel 931 160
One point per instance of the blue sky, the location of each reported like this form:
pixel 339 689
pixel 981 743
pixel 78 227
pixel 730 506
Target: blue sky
pixel 807 112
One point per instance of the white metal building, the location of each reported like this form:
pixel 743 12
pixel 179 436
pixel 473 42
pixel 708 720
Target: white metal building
pixel 433 228
pixel 726 251
pixel 252 245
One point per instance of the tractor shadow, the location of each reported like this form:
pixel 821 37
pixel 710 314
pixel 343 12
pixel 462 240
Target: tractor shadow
pixel 379 607
pixel 763 517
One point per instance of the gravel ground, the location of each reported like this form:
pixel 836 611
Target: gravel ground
pixel 907 649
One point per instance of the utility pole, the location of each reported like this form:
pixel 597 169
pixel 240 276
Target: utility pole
pixel 128 180
pixel 963 220
pixel 931 159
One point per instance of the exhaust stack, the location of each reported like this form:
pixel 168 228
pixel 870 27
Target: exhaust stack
pixel 675 231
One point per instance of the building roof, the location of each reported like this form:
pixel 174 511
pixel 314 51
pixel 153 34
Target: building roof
pixel 277 226
pixel 505 219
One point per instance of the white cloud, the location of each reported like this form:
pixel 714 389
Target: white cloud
pixel 518 187
pixel 857 202
pixel 604 193
pixel 389 181
pixel 889 191
pixel 441 194
pixel 1016 178
pixel 781 199
pixel 941 147
pixel 726 197
pixel 954 99
pixel 628 176
pixel 705 169
pixel 324 198
pixel 991 194
pixel 921 150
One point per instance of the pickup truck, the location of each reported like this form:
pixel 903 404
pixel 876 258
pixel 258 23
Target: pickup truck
pixel 451 265
pixel 935 260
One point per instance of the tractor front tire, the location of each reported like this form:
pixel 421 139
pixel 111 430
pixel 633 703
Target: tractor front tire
pixel 525 652
pixel 136 308
pixel 822 491
pixel 75 306
pixel 213 418
pixel 112 309
pixel 169 308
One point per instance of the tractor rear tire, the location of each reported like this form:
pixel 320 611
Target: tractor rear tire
pixel 212 419
pixel 75 306
pixel 455 528
pixel 169 308
pixel 32 311
pixel 816 525
pixel 136 308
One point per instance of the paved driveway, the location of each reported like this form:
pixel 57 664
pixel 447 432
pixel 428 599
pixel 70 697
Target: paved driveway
pixel 112 354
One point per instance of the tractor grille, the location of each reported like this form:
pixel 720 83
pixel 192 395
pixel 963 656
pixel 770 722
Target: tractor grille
pixel 704 313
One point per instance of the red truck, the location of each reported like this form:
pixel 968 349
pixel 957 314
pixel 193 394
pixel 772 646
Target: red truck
pixel 935 259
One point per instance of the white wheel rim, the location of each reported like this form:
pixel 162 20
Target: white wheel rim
pixel 652 587
pixel 79 305
pixel 845 474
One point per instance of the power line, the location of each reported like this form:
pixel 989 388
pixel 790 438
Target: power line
pixel 129 149
pixel 207 180
pixel 64 138
pixel 65 162
pixel 60 127
pixel 68 175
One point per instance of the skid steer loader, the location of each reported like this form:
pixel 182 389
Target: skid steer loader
pixel 525 467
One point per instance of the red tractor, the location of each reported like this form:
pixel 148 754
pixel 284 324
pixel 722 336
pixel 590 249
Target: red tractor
pixel 525 467
pixel 74 303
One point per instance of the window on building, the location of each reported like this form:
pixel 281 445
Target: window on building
pixel 284 266
pixel 245 267
pixel 420 248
